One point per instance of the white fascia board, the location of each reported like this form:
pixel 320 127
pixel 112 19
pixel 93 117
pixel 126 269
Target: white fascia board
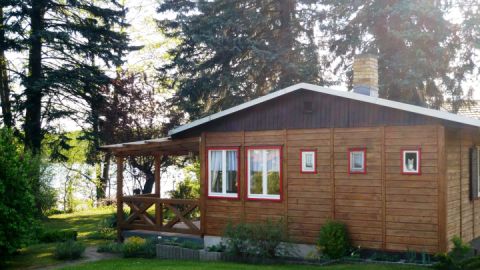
pixel 345 94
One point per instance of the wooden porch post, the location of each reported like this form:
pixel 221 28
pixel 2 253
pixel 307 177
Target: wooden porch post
pixel 158 205
pixel 203 183
pixel 120 217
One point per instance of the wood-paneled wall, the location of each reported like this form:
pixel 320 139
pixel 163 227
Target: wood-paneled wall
pixel 383 209
pixel 463 214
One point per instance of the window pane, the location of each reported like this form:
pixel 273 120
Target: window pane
pixel 216 171
pixel 357 160
pixel 273 172
pixel 232 171
pixel 411 161
pixel 308 161
pixel 256 171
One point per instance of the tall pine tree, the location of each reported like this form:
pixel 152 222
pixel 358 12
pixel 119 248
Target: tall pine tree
pixel 64 38
pixel 233 51
pixel 418 48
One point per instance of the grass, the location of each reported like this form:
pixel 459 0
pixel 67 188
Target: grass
pixel 152 264
pixel 85 222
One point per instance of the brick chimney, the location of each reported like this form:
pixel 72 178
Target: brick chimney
pixel 365 75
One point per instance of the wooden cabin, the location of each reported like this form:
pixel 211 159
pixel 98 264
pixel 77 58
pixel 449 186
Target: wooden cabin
pixel 401 177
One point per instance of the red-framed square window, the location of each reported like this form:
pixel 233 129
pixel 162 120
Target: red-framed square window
pixel 308 161
pixel 223 172
pixel 264 172
pixel 357 160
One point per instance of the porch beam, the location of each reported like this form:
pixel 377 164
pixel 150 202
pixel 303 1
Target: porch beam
pixel 120 217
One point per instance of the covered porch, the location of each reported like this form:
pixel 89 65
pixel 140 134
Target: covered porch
pixel 151 212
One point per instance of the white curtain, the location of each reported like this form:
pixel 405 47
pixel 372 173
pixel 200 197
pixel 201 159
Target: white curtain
pixel 231 160
pixel 256 161
pixel 273 161
pixel 215 169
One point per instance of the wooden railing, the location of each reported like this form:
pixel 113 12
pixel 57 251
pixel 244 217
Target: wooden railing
pixel 182 219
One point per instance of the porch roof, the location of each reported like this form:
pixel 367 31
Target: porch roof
pixel 165 145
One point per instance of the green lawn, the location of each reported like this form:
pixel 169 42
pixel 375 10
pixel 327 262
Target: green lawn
pixel 140 264
pixel 85 222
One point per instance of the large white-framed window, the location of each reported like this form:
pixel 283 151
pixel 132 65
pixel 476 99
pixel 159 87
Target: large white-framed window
pixel 264 172
pixel 223 173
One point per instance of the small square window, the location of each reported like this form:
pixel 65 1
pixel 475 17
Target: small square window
pixel 308 161
pixel 357 160
pixel 411 161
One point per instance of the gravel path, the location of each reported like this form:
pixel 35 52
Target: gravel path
pixel 90 255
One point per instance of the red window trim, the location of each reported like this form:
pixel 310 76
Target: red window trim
pixel 402 151
pixel 314 150
pixel 364 150
pixel 207 186
pixel 247 184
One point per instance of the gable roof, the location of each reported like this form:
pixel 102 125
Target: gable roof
pixel 345 94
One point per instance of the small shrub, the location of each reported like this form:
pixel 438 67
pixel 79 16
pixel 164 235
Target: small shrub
pixel 267 239
pixel 51 236
pixel 110 247
pixel 137 247
pixel 69 250
pixel 237 239
pixel 460 257
pixel 191 245
pixel 333 240
pixel 133 246
pixel 149 249
pixel 217 248
pixel 105 230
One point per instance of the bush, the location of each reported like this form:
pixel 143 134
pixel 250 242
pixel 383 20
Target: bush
pixel 266 239
pixel 105 230
pixel 110 247
pixel 69 250
pixel 459 258
pixel 137 247
pixel 57 236
pixel 133 246
pixel 18 180
pixel 217 248
pixel 333 240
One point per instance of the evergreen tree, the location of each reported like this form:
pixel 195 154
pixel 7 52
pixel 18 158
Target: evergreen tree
pixel 64 38
pixel 419 50
pixel 10 39
pixel 232 51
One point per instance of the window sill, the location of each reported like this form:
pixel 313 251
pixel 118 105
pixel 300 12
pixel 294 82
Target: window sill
pixel 224 196
pixel 264 198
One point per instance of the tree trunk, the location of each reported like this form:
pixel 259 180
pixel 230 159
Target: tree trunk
pixel 287 75
pixel 102 185
pixel 33 124
pixel 4 80
pixel 149 181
